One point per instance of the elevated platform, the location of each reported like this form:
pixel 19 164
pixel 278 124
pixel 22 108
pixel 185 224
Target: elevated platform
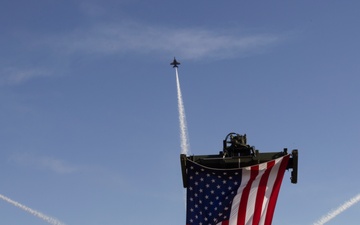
pixel 237 154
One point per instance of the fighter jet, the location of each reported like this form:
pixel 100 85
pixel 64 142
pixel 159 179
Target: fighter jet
pixel 175 63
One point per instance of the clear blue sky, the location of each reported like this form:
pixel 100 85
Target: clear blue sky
pixel 88 111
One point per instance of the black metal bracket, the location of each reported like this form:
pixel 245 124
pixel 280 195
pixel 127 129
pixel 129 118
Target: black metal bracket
pixel 220 162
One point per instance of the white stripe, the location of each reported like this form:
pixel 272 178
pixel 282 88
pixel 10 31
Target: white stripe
pixel 236 201
pixel 253 193
pixel 270 184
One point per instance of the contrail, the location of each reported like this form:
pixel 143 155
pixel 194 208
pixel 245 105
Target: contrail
pixel 182 119
pixel 33 212
pixel 337 211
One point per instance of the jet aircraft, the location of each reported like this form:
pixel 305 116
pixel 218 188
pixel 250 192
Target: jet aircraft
pixel 175 63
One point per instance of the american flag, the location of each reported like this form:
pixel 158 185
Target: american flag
pixel 244 196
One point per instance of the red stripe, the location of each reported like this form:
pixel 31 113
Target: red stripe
pixel 261 193
pixel 275 191
pixel 245 196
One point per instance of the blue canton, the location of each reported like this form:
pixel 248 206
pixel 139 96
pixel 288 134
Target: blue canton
pixel 210 193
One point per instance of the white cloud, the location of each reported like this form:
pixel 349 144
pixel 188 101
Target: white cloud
pixel 46 163
pixel 92 9
pixel 56 165
pixel 55 52
pixel 13 75
pixel 190 43
pixel 93 173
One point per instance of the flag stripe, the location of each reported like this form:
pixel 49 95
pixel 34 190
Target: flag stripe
pixel 270 184
pixel 276 189
pixel 245 196
pixel 236 201
pixel 250 208
pixel 260 197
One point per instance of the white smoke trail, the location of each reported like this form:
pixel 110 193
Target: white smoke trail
pixel 31 211
pixel 182 119
pixel 337 211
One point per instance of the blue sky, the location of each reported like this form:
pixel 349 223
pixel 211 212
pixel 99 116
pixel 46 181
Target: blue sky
pixel 88 109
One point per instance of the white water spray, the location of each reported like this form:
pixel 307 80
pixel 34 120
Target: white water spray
pixel 31 211
pixel 337 211
pixel 182 119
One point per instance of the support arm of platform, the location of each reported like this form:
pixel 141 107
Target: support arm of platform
pixel 219 162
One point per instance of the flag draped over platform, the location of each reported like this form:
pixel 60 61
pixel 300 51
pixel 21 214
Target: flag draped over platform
pixel 244 196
